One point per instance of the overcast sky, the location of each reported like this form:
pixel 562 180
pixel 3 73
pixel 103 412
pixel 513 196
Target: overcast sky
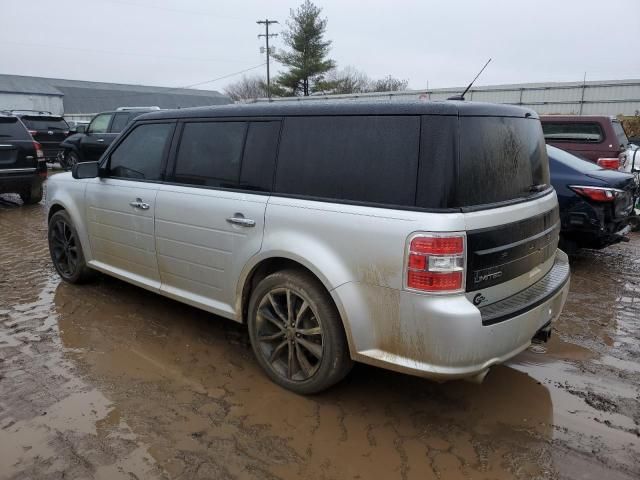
pixel 431 43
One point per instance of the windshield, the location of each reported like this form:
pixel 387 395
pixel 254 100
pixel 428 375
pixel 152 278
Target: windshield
pixel 501 159
pixel 623 141
pixel 45 123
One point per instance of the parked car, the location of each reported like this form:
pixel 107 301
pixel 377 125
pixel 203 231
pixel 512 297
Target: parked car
pixel 595 203
pixel 23 168
pixel 599 139
pixel 78 126
pixel 91 142
pixel 47 129
pixel 419 237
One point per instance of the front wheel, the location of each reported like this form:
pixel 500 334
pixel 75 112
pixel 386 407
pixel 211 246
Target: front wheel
pixel 65 249
pixel 69 159
pixel 296 333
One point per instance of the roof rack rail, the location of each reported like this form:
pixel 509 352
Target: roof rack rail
pixel 124 109
pixel 39 112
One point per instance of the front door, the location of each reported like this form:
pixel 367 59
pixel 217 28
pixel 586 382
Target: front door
pixel 121 205
pixel 97 138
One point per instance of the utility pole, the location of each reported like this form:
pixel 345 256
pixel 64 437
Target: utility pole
pixel 266 36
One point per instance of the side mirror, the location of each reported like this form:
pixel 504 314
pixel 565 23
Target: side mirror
pixel 81 129
pixel 85 170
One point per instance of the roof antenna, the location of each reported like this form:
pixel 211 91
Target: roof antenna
pixel 461 96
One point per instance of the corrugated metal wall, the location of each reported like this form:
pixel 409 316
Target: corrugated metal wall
pixel 616 97
pixel 31 101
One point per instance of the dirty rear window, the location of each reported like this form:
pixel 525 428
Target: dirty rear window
pixel 45 123
pixel 11 127
pixel 500 159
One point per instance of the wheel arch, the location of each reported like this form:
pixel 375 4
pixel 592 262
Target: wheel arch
pixel 266 266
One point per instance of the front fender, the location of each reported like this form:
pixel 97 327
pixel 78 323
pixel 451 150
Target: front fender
pixel 66 192
pixel 72 142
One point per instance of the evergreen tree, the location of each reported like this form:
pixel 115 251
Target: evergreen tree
pixel 307 54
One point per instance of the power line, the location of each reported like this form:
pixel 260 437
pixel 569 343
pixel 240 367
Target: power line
pixel 121 52
pixel 175 10
pixel 172 89
pixel 266 22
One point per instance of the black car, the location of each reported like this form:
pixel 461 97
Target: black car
pixel 595 203
pixel 46 129
pixel 89 143
pixel 23 168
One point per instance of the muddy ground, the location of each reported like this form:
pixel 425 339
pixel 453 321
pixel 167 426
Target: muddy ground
pixel 109 381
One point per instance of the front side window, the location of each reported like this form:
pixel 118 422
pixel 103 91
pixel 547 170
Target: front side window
pixel 576 132
pixel 209 154
pixel 140 154
pixel 100 124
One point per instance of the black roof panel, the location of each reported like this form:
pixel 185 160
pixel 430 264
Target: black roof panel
pixel 326 107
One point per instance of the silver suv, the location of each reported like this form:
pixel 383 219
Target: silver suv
pixel 419 237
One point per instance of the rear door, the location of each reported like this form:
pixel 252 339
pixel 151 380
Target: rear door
pixel 210 217
pixel 17 153
pixel 97 138
pixel 120 206
pixel 49 131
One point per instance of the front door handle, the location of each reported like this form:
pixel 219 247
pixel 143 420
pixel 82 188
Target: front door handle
pixel 100 140
pixel 140 204
pixel 238 219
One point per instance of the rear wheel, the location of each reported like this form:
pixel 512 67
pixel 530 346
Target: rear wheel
pixel 32 195
pixel 66 251
pixel 296 333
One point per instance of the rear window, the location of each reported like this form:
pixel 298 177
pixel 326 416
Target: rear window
pixel 582 132
pixel 501 159
pixel 45 123
pixel 11 127
pixel 355 158
pixel 570 160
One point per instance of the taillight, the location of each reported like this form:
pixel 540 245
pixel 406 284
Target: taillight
pixel 609 163
pixel 597 194
pixel 39 152
pixel 435 263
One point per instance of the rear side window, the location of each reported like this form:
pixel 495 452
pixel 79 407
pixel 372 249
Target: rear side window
pixel 258 161
pixel 45 123
pixel 139 156
pixel 120 120
pixel 11 127
pixel 501 159
pixel 582 132
pixel 357 158
pixel 210 153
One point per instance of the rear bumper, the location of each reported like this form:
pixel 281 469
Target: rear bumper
pixel 16 182
pixel 447 337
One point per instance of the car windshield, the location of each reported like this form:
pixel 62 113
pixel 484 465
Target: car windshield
pixel 45 123
pixel 620 134
pixel 570 160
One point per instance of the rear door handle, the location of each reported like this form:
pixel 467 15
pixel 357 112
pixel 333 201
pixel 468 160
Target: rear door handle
pixel 140 204
pixel 100 140
pixel 238 219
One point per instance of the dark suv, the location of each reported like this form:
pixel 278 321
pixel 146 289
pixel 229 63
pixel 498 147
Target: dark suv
pixel 46 129
pixel 89 143
pixel 22 164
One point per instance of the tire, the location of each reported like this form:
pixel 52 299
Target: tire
pixel 70 159
pixel 32 195
pixel 66 251
pixel 310 353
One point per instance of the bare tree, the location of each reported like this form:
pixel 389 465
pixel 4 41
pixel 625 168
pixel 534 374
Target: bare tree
pixel 347 80
pixel 247 88
pixel 388 84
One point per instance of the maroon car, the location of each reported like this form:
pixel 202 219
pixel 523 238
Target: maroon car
pixel 600 139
